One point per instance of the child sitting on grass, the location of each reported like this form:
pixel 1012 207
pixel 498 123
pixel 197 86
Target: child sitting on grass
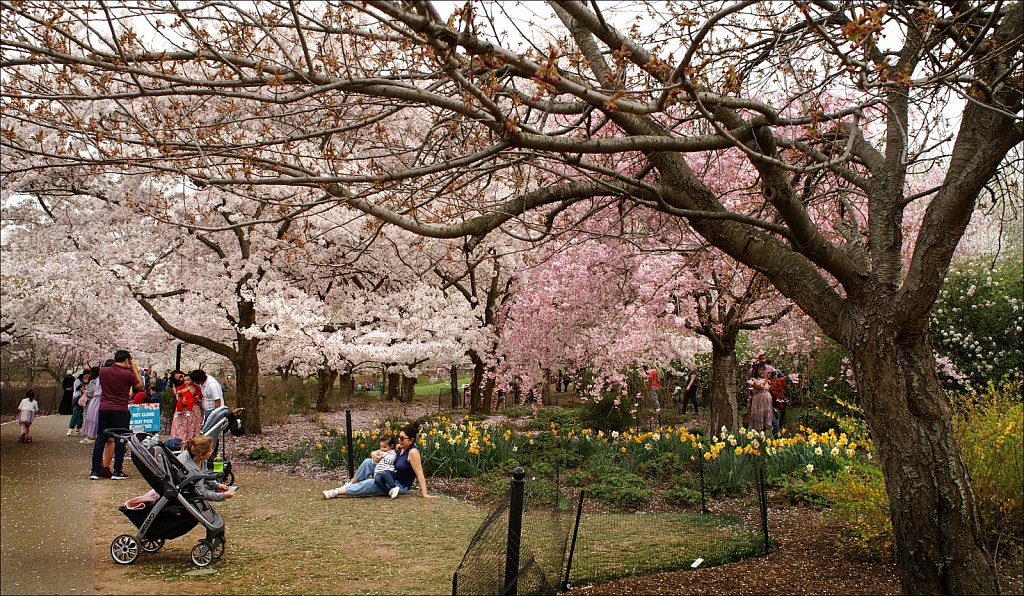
pixel 383 471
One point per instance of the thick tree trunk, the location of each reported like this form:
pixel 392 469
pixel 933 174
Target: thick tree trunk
pixel 325 399
pixel 723 391
pixel 547 396
pixel 247 374
pixel 476 385
pixel 488 395
pixel 346 386
pixel 455 387
pixel 939 542
pixel 394 386
pixel 408 390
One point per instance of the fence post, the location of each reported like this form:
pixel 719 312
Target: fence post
pixel 455 583
pixel 348 439
pixel 515 529
pixel 763 498
pixel 572 545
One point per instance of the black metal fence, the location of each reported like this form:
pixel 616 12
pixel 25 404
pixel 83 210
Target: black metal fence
pixel 11 395
pixel 523 550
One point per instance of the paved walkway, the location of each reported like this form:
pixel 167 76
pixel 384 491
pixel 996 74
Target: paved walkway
pixel 45 517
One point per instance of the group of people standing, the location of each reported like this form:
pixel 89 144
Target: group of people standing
pixel 765 395
pixel 98 399
pixel 682 395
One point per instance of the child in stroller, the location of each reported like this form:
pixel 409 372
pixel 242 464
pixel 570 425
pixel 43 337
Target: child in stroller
pixel 174 506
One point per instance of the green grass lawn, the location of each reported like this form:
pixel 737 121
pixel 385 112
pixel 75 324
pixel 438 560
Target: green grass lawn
pixel 283 538
pixel 611 546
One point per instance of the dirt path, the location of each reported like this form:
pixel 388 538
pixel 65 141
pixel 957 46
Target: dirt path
pixel 45 517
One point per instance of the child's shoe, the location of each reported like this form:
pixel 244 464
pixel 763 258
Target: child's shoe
pixel 330 493
pixel 393 492
pixel 70 430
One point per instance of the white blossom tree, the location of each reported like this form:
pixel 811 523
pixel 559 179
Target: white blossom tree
pixel 402 113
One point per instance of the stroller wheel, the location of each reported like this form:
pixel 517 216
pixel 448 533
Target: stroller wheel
pixel 151 546
pixel 202 554
pixel 229 478
pixel 218 547
pixel 124 549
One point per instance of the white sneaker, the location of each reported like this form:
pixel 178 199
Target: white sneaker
pixel 69 432
pixel 86 441
pixel 393 492
pixel 330 493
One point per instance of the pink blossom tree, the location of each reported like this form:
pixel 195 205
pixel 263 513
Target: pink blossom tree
pixel 402 113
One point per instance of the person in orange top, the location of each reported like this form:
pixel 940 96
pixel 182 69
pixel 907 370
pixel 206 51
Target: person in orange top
pixel 655 387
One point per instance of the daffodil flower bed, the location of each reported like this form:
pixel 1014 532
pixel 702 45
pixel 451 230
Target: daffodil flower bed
pixel 462 447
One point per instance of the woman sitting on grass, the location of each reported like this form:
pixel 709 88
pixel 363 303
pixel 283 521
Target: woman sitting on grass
pixel 408 468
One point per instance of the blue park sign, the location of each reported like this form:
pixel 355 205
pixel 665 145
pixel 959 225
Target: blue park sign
pixel 145 417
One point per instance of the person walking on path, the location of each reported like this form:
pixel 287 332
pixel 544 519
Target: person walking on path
pixel 26 414
pixel 690 391
pixel 118 382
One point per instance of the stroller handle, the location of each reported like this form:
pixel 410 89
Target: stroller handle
pixel 123 434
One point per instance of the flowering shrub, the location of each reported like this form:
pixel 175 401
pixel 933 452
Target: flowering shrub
pixel 989 428
pixel 978 323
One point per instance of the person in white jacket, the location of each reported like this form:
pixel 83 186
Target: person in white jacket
pixel 26 414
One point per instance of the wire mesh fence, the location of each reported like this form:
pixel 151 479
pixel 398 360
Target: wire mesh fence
pixel 547 516
pixel 566 543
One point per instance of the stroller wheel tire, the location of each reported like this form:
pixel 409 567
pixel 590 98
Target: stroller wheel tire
pixel 124 549
pixel 229 478
pixel 218 547
pixel 202 554
pixel 151 546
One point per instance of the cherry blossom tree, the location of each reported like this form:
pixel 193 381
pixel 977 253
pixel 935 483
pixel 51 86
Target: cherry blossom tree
pixel 400 112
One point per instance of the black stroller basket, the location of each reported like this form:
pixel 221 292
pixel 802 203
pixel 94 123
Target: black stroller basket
pixel 171 509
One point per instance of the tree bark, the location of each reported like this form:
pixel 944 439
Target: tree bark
pixel 547 397
pixel 455 386
pixel 325 400
pixel 723 391
pixel 476 385
pixel 939 543
pixel 408 390
pixel 394 386
pixel 346 386
pixel 247 373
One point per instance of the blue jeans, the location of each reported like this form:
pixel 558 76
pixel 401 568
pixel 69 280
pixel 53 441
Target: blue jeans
pixel 385 480
pixel 365 485
pixel 109 419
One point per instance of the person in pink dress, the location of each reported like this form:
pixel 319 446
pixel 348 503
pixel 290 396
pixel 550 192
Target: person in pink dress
pixel 188 413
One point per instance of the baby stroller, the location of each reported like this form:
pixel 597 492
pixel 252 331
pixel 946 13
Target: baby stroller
pixel 217 426
pixel 170 510
pixel 220 422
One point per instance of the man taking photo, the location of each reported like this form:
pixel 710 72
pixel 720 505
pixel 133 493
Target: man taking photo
pixel 119 381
